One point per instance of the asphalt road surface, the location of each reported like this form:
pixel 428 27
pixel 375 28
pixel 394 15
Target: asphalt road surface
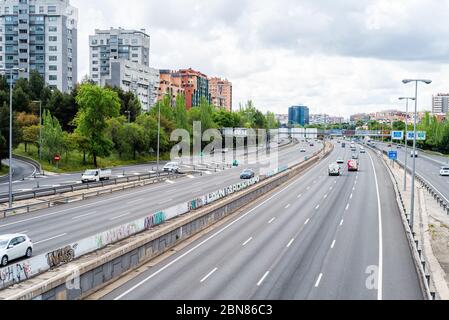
pixel 58 226
pixel 21 169
pixel 319 237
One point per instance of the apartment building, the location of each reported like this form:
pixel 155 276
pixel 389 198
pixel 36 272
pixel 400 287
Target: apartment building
pixel 40 35
pixel 221 93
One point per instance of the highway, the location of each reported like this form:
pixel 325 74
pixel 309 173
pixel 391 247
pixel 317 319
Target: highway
pixel 427 166
pixel 318 237
pixel 24 179
pixel 58 226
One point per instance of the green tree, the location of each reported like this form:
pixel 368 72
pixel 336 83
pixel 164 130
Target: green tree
pixel 36 85
pixel 272 122
pixel 30 135
pixel 136 139
pixel 206 112
pixel 52 137
pixel 96 106
pixel 181 112
pixel 117 135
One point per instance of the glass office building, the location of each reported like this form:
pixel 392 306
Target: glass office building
pixel 298 115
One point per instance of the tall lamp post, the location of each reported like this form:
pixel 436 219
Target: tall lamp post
pixel 406 141
pixel 158 135
pixel 40 127
pixel 10 127
pixel 412 200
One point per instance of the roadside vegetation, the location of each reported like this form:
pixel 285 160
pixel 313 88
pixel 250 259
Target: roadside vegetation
pixel 103 127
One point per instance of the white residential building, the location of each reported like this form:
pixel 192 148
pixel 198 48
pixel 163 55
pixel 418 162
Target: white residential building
pixel 40 35
pixel 120 57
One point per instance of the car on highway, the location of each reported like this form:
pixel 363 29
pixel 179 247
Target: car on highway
pixel 96 175
pixel 414 154
pixel 355 156
pixel 247 174
pixel 312 144
pixel 334 169
pixel 353 165
pixel 340 161
pixel 303 150
pixel 14 246
pixel 172 167
pixel 343 145
pixel 362 150
pixel 444 172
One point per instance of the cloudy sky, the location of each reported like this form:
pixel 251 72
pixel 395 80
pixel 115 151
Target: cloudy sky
pixel 337 57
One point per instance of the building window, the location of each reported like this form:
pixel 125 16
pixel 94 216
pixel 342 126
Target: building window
pixel 52 38
pixel 135 55
pixel 32 9
pixel 52 77
pixel 53 68
pixel 53 58
pixel 52 48
pixel 41 9
pixel 95 62
pixel 52 18
pixel 51 9
pixel 52 28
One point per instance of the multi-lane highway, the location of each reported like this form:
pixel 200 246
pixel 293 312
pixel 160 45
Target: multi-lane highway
pixel 58 226
pixel 318 237
pixel 428 166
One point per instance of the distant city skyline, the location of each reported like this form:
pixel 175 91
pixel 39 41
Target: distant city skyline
pixel 247 42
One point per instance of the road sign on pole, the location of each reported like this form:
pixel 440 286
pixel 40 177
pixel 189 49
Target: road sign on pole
pixel 397 135
pixel 420 136
pixel 393 155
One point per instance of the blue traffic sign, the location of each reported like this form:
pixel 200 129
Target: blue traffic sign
pixel 393 155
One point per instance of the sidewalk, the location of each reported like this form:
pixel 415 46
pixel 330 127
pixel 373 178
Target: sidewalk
pixel 431 227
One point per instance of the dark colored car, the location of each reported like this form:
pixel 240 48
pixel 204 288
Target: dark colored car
pixel 247 174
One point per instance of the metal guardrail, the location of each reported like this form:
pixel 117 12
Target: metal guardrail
pixel 438 196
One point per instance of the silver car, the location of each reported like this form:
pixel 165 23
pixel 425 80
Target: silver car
pixel 14 246
pixel 444 172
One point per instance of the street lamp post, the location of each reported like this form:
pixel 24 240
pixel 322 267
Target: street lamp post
pixel 40 128
pixel 412 200
pixel 129 115
pixel 10 128
pixel 406 141
pixel 158 135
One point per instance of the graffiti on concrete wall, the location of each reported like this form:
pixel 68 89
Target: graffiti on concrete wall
pixel 15 273
pixel 116 234
pixel 61 256
pixel 154 220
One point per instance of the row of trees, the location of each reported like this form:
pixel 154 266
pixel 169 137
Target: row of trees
pixel 97 122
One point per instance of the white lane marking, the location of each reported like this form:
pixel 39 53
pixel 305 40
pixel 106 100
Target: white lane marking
pixel 263 278
pixel 166 201
pixel 353 189
pixel 314 182
pixel 208 275
pixel 190 176
pixel 335 182
pixel 341 223
pixel 308 188
pixel 84 215
pixel 169 181
pixel 300 195
pixel 269 222
pixel 247 241
pixel 134 201
pixel 23 232
pixel 287 206
pixel 333 244
pixel 207 172
pixel 307 221
pixel 52 238
pixel 347 207
pixel 351 196
pixel 120 216
pixel 317 207
pixel 204 241
pixel 325 196
pixel 56 185
pixel 330 188
pixel 317 284
pixel 290 243
pixel 379 212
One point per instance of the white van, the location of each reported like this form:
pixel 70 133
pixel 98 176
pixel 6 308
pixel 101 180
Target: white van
pixel 96 175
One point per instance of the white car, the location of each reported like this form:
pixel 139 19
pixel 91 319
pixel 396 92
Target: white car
pixel 340 161
pixel 172 167
pixel 14 246
pixel 444 172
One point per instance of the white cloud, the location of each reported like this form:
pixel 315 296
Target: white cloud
pixel 338 57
